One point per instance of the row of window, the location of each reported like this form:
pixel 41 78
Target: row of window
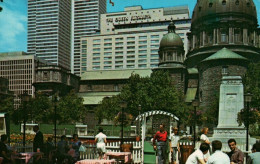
pixel 121 66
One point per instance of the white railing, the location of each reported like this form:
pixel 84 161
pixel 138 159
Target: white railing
pixel 91 152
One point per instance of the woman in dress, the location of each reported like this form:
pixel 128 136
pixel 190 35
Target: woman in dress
pixel 101 140
pixel 203 136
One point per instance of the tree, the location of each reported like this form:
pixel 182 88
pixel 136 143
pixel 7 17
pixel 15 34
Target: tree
pixel 7 104
pixel 152 93
pixel 251 82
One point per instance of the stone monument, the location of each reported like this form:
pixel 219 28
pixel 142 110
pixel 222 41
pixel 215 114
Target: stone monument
pixel 231 101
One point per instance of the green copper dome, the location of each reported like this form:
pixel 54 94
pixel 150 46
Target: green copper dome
pixel 171 39
pixel 207 9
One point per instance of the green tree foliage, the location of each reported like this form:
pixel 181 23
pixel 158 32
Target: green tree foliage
pixel 152 93
pixel 70 109
pixel 251 82
pixel 7 104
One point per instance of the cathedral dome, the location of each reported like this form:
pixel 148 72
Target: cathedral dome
pixel 171 39
pixel 215 10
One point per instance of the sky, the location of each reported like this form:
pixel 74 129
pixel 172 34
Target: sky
pixel 13 18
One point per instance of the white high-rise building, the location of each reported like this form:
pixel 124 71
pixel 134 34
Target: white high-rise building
pixel 49 31
pixel 86 21
pixel 131 39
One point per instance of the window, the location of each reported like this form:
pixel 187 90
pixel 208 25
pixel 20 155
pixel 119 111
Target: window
pixel 107 53
pixel 96 54
pixel 131 57
pixel 154 60
pixel 108 44
pixel 210 4
pixel 84 46
pixel 84 59
pixel 142 65
pixel 84 41
pixel 142 61
pixel 142 42
pixel 96 41
pixel 130 43
pixel 154 41
pixel 107 62
pixel 107 67
pixel 119 44
pixel 155 36
pixel 108 49
pixel 83 51
pixel 130 38
pixel 96 63
pixel 154 56
pixel 142 51
pixel 119 57
pixel 224 2
pixel 131 47
pixel 130 61
pixel 96 49
pixel 154 51
pixel 224 70
pixel 142 56
pixel 119 48
pixel 118 66
pixel 130 66
pixel 142 37
pixel 119 62
pixel 118 39
pixel 224 35
pixel 130 52
pixel 119 53
pixel 107 58
pixel 96 45
pixel 108 40
pixel 96 59
pixel 154 46
pixel 95 68
pixel 237 35
pixel 141 47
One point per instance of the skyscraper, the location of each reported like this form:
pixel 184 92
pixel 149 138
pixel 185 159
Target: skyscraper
pixel 49 30
pixel 85 16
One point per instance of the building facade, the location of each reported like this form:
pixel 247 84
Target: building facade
pixel 130 39
pixel 49 31
pixel 86 17
pixel 19 69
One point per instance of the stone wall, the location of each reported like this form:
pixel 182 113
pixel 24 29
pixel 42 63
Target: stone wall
pixel 210 75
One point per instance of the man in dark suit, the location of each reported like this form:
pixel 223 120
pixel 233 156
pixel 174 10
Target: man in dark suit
pixel 38 139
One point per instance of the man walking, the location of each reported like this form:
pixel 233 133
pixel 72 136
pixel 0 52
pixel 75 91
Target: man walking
pixel 236 156
pixel 160 146
pixel 218 157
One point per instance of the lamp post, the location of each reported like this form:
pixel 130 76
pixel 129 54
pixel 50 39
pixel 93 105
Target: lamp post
pixel 139 111
pixel 55 118
pixel 123 105
pixel 248 98
pixel 195 104
pixel 25 98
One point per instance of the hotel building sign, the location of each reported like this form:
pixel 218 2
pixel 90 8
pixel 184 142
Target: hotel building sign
pixel 132 18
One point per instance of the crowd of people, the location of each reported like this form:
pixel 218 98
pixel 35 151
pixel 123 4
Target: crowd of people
pixel 207 153
pixel 66 151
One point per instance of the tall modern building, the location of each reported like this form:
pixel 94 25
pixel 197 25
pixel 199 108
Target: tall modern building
pixel 49 31
pixel 85 21
pixel 131 39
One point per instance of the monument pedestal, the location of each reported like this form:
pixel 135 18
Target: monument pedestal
pixel 224 134
pixel 231 101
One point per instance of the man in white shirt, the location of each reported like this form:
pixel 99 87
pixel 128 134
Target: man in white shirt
pixel 218 157
pixel 175 148
pixel 197 157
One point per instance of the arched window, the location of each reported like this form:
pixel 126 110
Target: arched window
pixel 169 56
pixel 224 2
pixel 237 35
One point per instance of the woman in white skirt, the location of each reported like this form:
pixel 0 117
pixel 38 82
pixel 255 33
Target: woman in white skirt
pixel 101 140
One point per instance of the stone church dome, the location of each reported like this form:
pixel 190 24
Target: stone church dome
pixel 171 39
pixel 208 9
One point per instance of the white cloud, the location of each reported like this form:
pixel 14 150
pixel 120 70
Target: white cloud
pixel 12 25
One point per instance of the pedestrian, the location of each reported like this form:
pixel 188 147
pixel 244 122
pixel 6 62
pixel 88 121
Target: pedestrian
pixel 175 148
pixel 4 152
pixel 76 145
pixel 197 157
pixel 254 157
pixel 160 144
pixel 38 139
pixel 236 156
pixel 101 140
pixel 62 150
pixel 218 157
pixel 204 137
